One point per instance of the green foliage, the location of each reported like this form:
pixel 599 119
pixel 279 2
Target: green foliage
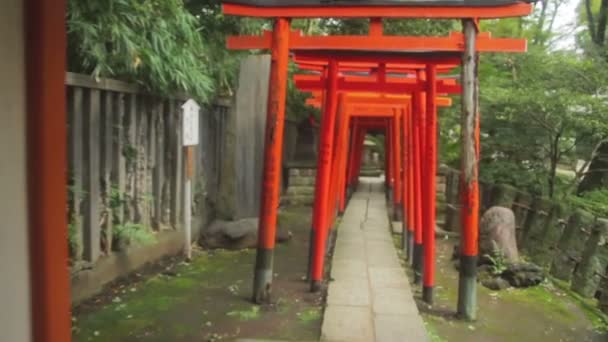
pixel 499 263
pixel 73 236
pixel 595 202
pixel 538 109
pixel 154 43
pixel 296 108
pixel 130 234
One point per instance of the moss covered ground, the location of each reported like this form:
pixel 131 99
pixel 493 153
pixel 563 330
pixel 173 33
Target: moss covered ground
pixel 542 313
pixel 208 299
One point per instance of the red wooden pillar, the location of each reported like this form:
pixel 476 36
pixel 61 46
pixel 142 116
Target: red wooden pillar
pixel 319 234
pixel 388 160
pixel 431 170
pixel 411 216
pixel 344 160
pixel 405 203
pixel 273 152
pixel 354 138
pixel 46 167
pixel 398 180
pixel 467 285
pixel 359 156
pixel 419 169
pixel 336 164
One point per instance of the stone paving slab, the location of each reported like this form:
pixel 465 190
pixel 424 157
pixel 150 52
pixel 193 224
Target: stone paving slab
pixel 370 298
pixel 347 323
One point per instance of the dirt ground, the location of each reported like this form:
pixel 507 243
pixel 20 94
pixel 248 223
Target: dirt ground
pixel 209 298
pixel 538 314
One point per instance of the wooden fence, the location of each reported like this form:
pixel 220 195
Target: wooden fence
pixel 126 161
pixel 570 243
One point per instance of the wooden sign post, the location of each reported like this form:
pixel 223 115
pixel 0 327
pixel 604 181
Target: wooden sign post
pixel 190 134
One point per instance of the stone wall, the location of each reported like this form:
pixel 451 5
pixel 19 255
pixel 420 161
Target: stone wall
pixel 243 156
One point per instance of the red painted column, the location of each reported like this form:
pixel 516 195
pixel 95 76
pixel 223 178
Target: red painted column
pixel 388 160
pixel 354 138
pixel 419 139
pixel 405 203
pixel 46 167
pixel 336 164
pixel 411 216
pixel 469 192
pixel 328 120
pixel 431 170
pixel 398 180
pixel 359 157
pixel 273 152
pixel 343 170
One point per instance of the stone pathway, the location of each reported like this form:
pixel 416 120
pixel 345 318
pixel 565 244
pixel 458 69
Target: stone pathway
pixel 369 298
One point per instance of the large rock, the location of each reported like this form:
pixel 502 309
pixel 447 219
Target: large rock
pixel 239 234
pixel 497 234
pixel 523 275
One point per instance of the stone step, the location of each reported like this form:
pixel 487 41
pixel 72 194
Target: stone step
pixel 300 190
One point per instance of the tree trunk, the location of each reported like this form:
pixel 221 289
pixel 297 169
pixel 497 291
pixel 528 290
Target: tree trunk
pixel 596 176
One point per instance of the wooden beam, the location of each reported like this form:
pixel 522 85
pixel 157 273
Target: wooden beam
pixel 378 43
pixel 519 9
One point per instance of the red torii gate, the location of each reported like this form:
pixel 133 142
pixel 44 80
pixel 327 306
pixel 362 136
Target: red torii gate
pixel 467 47
pixel 424 238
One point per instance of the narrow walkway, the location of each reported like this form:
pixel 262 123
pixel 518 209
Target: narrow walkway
pixel 370 297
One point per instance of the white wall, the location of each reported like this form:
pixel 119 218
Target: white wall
pixel 14 283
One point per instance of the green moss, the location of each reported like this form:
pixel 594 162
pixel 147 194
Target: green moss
pixel 310 315
pixel 432 331
pixel 246 315
pixel 587 305
pixel 542 298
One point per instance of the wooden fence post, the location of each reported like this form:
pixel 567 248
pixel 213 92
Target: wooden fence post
pixel 91 229
pixel 594 261
pixel 571 244
pixel 118 146
pixel 75 158
pixel 107 117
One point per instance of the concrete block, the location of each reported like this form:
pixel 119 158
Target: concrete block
pixel 349 270
pixel 347 324
pixel 393 301
pixel 388 277
pixel 399 328
pixel 352 292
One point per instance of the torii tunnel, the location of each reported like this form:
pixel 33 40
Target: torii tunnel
pixel 377 82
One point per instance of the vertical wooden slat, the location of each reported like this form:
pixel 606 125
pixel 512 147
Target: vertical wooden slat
pixel 119 162
pixel 151 159
pixel 130 151
pixel 107 118
pixel 177 169
pixel 91 230
pixel 167 159
pixel 75 157
pixel 141 169
pixel 158 173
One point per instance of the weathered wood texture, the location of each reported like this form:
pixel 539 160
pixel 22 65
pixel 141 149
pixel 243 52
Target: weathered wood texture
pixel 125 161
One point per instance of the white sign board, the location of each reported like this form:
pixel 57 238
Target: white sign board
pixel 190 123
